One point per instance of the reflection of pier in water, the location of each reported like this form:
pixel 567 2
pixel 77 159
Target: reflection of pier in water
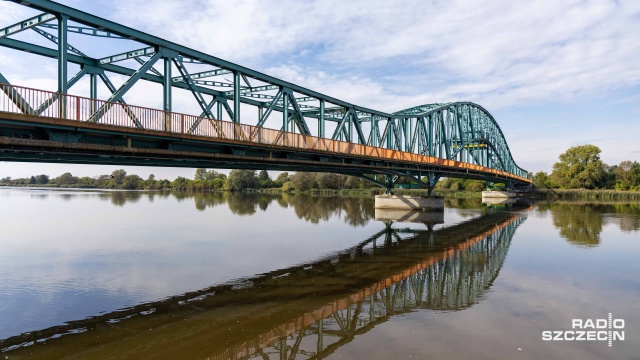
pixel 308 310
pixel 505 203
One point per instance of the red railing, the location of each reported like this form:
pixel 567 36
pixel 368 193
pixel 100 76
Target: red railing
pixel 22 100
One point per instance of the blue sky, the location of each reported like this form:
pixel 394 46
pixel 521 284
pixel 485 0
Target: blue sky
pixel 554 74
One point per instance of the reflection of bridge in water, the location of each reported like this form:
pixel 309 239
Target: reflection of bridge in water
pixel 304 311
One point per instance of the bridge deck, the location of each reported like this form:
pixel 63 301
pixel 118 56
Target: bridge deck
pixel 69 124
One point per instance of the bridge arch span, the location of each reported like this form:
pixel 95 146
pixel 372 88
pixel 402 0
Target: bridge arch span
pixel 464 131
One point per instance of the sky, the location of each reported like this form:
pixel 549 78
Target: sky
pixel 554 74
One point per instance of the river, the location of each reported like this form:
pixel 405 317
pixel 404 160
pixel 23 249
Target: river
pixel 136 275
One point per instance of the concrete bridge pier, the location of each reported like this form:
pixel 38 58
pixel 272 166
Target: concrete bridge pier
pixel 409 202
pixel 429 218
pixel 498 194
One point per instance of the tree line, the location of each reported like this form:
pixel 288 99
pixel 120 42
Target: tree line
pixel 580 167
pixel 203 180
pixel 237 180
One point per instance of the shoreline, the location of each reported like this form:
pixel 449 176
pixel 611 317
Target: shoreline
pixel 535 195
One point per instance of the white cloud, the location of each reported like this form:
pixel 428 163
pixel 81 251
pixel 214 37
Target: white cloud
pixel 500 52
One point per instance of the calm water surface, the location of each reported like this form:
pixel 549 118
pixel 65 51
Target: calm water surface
pixel 131 275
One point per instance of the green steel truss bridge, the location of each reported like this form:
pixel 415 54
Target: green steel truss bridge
pixel 240 118
pixel 449 269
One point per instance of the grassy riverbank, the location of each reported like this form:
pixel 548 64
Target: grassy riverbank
pixel 582 194
pixel 542 194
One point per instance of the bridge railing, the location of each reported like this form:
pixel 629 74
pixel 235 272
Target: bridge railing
pixel 23 100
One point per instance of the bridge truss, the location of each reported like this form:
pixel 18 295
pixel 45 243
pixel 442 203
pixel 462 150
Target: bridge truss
pixel 460 131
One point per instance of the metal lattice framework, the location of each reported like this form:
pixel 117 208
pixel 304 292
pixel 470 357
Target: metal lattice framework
pixel 460 131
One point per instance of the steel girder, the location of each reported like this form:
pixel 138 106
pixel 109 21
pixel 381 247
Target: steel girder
pixel 26 24
pixel 15 97
pixel 196 56
pixel 461 131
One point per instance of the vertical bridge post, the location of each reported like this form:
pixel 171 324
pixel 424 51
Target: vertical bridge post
pixel 62 65
pixel 166 93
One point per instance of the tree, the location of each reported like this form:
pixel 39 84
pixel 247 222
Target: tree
pixel 85 181
pixel 579 167
pixel 32 180
pixel 263 175
pixel 42 179
pixel 180 183
pixel 474 185
pixel 282 179
pixel 328 181
pixel 201 174
pixel 626 175
pixel 241 179
pixel 634 176
pixel 540 179
pixel 451 184
pixel 65 179
pixel 150 183
pixel 118 176
pixel 265 179
pixel 303 181
pixel 218 183
pixel 102 181
pixel 132 182
pixel 352 182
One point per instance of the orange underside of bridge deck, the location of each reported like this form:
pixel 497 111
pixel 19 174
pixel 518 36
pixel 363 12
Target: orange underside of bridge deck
pixel 121 119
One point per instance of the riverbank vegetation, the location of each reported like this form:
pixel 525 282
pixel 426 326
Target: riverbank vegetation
pixel 239 180
pixel 579 174
pixel 580 167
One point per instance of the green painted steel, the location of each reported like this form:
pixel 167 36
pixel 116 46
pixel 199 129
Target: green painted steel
pixel 461 131
pixel 467 132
